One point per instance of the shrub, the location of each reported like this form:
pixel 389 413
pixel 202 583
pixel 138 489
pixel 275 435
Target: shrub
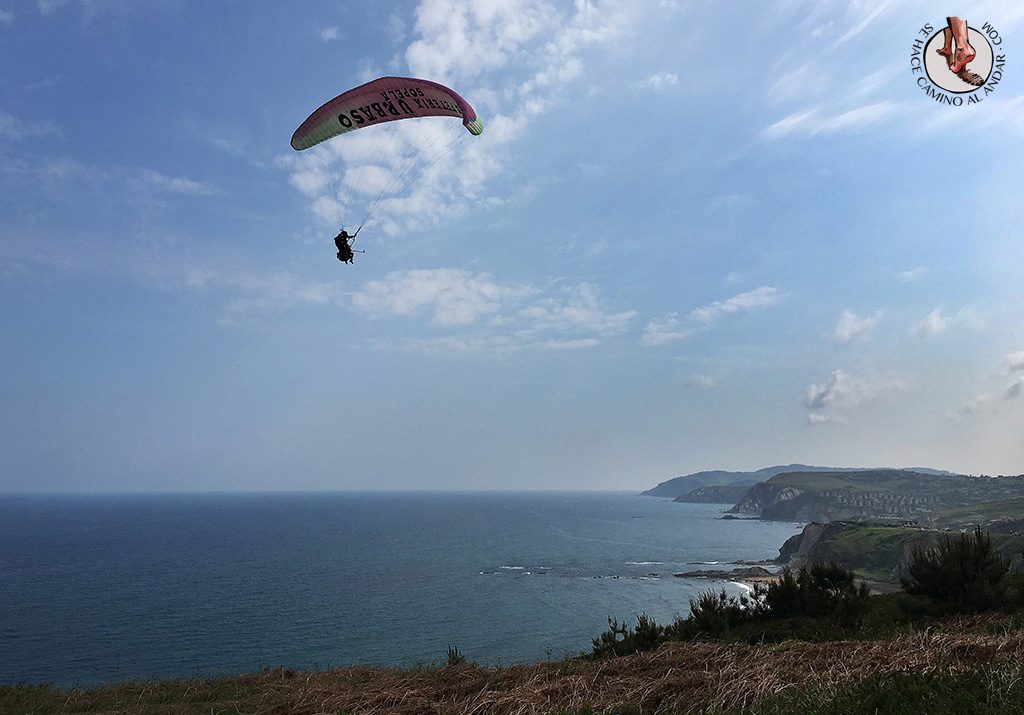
pixel 961 574
pixel 619 639
pixel 822 590
pixel 454 656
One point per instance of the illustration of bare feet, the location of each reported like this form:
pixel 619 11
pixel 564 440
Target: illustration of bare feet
pixel 947 47
pixel 964 52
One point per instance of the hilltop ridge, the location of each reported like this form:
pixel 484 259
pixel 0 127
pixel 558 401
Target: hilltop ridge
pixel 698 485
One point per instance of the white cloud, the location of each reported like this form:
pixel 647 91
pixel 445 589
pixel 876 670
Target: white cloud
pixel 48 7
pixel 842 392
pixel 329 33
pixel 808 78
pixel 970 408
pixel 499 317
pixel 757 298
pixel 14 128
pixel 814 121
pixel 48 83
pixel 259 292
pixel 6 17
pixel 659 331
pixel 658 82
pixel 568 344
pixel 864 13
pixel 449 295
pixel 176 185
pixel 1004 114
pixel 704 381
pixel 1014 362
pixel 671 327
pixel 936 322
pixel 851 326
pixel 460 40
pixel 576 308
pixel 912 274
pixel 730 202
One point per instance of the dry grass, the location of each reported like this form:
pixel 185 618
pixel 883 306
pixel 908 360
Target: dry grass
pixel 677 678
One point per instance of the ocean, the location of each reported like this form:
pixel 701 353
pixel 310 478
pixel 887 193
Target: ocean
pixel 102 589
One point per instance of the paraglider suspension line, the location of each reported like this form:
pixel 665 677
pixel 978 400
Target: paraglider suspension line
pixel 408 177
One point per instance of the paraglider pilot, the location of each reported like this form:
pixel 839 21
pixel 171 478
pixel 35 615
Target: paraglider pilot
pixel 344 243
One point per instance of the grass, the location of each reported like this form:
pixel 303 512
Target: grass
pixel 982 513
pixel 985 690
pixel 961 661
pixel 874 551
pixel 863 481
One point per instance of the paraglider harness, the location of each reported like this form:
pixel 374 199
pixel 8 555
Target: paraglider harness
pixel 344 243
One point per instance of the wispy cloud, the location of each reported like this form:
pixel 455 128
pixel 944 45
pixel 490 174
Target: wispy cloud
pixel 250 294
pixel 574 308
pixel 815 121
pixel 1014 362
pixel 703 381
pixel 6 17
pixel 833 399
pixel 864 13
pixel 449 296
pixel 671 327
pixel 48 7
pixel 13 128
pixel 1015 389
pixel 851 326
pixel 912 275
pixel 499 316
pixel 329 33
pixel 809 78
pixel 176 184
pixel 666 329
pixel 658 82
pixel 937 322
pixel 969 409
pixel 1012 365
pixel 1005 114
pixel 757 298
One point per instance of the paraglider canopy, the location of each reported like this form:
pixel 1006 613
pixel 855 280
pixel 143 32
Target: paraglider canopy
pixel 384 100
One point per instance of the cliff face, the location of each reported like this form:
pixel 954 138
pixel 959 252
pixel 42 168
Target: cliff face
pixel 762 496
pixel 784 502
pixel 879 553
pixel 725 494
pixel 811 546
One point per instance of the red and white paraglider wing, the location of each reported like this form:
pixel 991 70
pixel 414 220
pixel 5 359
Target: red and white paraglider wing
pixel 383 100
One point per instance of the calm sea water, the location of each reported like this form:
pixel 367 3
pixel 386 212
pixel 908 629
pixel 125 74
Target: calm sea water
pixel 100 589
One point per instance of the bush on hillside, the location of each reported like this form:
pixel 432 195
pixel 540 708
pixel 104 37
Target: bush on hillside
pixel 620 639
pixel 960 574
pixel 822 590
pixel 821 596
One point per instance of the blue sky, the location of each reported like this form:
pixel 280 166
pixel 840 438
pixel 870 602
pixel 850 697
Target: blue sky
pixel 693 235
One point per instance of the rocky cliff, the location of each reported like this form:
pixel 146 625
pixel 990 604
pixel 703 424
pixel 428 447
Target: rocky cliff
pixel 875 552
pixel 888 494
pixel 724 494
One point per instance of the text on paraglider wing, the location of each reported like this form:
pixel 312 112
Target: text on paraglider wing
pixel 375 111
